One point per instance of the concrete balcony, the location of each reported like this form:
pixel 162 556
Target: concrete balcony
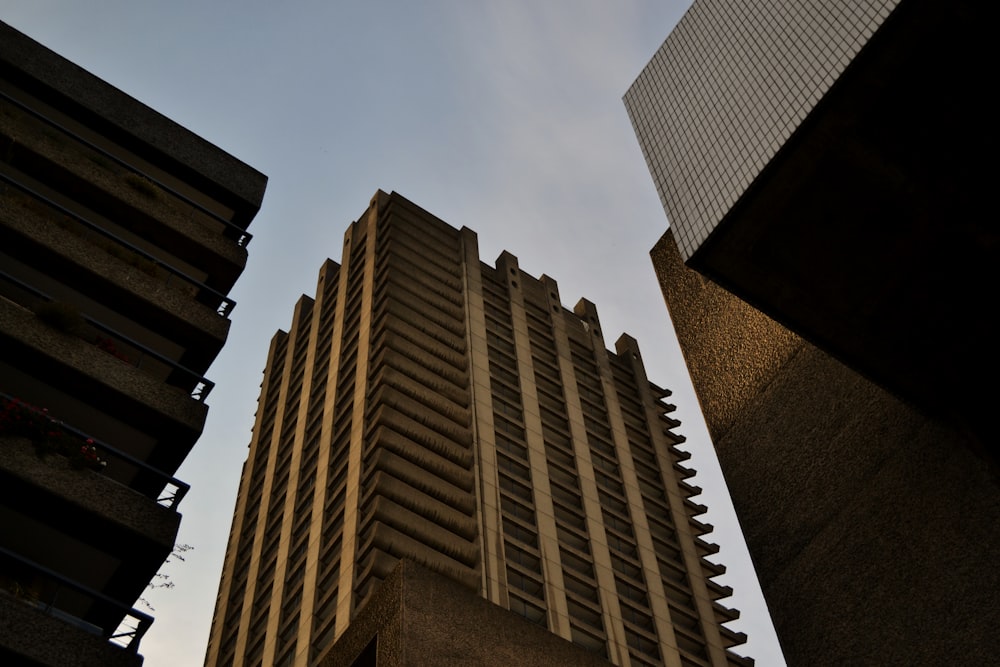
pixel 30 636
pixel 43 150
pixel 81 523
pixel 129 291
pixel 381 540
pixel 134 410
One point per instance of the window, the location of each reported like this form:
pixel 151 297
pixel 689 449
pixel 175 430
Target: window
pixel 576 563
pixel 638 618
pixel 504 426
pixel 622 545
pixel 557 474
pixel 616 523
pixel 571 539
pixel 502 407
pixel 633 593
pixel 513 467
pixel 580 588
pixel 641 643
pixel 522 557
pixel 584 614
pixel 609 502
pixel 532 612
pixel 609 483
pixel 517 510
pixel 581 637
pixel 625 567
pixel 566 496
pixel 520 533
pixel 511 446
pixel 523 582
pixel 515 488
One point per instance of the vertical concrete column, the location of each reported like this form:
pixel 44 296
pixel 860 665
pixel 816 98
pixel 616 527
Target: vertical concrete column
pixel 240 519
pixel 266 497
pixel 352 509
pixel 548 540
pixel 329 295
pixel 301 335
pixel 588 487
pixel 587 311
pixel 628 348
pixel 493 585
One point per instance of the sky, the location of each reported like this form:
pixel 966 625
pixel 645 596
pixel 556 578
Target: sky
pixel 505 117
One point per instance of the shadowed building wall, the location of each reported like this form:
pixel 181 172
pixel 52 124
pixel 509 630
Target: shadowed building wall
pixel 428 406
pixel 872 526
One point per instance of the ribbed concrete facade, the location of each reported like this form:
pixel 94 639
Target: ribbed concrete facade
pixel 121 234
pixel 425 405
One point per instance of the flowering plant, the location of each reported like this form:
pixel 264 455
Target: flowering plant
pixel 18 418
pixel 89 455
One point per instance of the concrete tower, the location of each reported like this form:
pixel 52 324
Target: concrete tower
pixel 427 406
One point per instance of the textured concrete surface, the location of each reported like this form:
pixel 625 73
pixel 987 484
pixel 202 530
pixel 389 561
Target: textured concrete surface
pixel 48 641
pixel 91 491
pixel 419 618
pixel 22 326
pixel 872 527
pixel 173 296
pixel 731 349
pixel 33 146
pixel 133 118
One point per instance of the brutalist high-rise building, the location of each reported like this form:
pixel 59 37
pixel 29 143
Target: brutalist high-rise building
pixel 830 269
pixel 429 407
pixel 121 234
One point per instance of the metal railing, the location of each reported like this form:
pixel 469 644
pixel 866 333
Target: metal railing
pixel 197 386
pixel 239 235
pixel 106 616
pixel 223 304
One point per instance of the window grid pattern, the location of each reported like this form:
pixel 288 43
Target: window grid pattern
pixel 727 88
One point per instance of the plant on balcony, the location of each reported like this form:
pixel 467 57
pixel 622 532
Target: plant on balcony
pixel 18 418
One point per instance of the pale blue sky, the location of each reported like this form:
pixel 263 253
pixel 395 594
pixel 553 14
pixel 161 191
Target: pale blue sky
pixel 505 117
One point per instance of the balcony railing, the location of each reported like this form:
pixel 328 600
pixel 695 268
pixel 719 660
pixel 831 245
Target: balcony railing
pixel 123 468
pixel 233 231
pixel 72 602
pixel 223 305
pixel 197 386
